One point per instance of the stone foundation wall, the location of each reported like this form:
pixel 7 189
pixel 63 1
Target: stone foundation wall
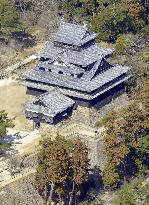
pixel 88 116
pixel 93 138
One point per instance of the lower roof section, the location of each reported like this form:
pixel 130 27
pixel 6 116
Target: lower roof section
pixel 75 94
pixel 49 104
pixel 77 84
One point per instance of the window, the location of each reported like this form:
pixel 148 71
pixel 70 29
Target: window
pixel 56 43
pixel 80 75
pixel 60 72
pixel 44 59
pixel 41 68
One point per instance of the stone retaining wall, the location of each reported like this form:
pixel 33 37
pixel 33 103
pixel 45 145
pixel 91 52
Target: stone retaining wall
pixel 88 116
pixel 21 192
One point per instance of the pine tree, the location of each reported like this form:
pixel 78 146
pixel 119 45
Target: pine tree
pixel 142 155
pixel 110 175
pixel 123 131
pixel 115 150
pixel 59 165
pixel 5 122
pixel 61 162
pixel 141 95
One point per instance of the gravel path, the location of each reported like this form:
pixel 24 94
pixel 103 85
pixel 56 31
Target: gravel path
pixel 21 141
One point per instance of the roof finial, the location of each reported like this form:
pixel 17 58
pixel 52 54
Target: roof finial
pixel 85 24
pixel 62 20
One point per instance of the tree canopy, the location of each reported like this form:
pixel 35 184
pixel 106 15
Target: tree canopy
pixel 126 139
pixel 9 19
pixel 5 123
pixel 62 167
pixel 109 18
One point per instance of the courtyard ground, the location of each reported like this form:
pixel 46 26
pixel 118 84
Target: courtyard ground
pixel 12 97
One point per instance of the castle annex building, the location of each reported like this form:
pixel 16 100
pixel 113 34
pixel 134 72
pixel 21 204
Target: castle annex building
pixel 72 70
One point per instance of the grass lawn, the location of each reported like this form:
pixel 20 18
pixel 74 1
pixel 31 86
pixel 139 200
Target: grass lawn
pixel 12 97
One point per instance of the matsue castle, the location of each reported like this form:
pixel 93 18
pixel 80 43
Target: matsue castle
pixel 72 70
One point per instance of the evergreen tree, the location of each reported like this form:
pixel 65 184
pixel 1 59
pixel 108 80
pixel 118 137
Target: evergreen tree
pixel 142 155
pixel 58 167
pixel 61 162
pixel 5 123
pixel 115 150
pixel 42 178
pixel 134 193
pixel 52 169
pixel 110 175
pixel 122 136
pixel 80 168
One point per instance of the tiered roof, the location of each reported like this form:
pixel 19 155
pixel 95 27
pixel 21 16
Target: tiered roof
pixel 83 57
pixel 74 34
pixel 82 73
pixel 55 68
pixel 76 83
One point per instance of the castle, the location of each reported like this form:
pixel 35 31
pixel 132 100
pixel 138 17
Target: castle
pixel 72 70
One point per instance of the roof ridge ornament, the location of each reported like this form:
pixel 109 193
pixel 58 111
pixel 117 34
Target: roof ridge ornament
pixel 62 20
pixel 85 24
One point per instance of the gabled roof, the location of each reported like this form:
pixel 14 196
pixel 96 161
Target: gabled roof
pixel 84 57
pixel 70 33
pixel 88 75
pixel 54 102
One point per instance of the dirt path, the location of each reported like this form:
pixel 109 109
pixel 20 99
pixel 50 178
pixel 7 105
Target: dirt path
pixel 81 130
pixel 22 141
